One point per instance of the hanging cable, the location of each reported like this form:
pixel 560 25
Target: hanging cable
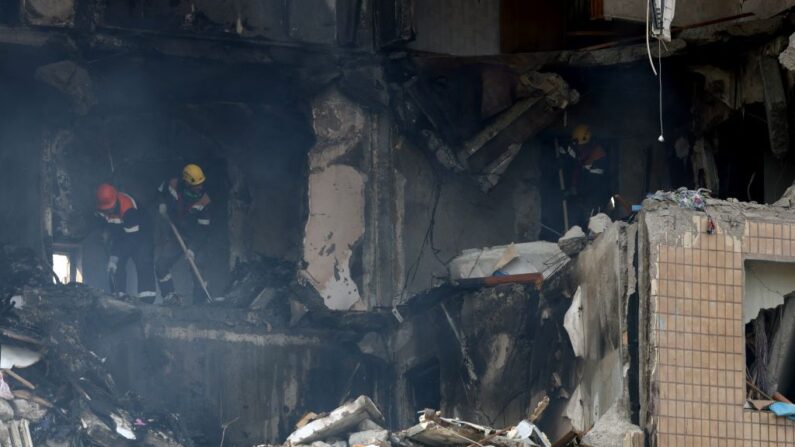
pixel 661 138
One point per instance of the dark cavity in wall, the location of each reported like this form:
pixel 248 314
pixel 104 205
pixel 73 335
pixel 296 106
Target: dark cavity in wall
pixel 424 383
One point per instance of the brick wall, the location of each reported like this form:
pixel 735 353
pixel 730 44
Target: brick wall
pixel 698 340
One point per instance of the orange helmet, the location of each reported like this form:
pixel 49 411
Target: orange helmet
pixel 106 197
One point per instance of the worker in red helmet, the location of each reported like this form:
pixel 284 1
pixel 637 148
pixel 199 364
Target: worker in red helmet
pixel 130 239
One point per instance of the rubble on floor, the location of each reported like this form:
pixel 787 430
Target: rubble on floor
pixel 56 390
pixel 357 424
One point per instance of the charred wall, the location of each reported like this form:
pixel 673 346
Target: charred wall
pixel 497 352
pixel 260 383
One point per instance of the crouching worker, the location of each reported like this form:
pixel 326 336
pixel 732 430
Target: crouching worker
pixel 130 237
pixel 184 202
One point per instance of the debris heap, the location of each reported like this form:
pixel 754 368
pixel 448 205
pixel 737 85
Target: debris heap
pixel 54 390
pixel 358 424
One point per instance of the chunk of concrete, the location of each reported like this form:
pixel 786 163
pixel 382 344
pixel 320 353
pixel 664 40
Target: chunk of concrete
pixel 369 437
pixel 29 410
pixel 573 242
pixel 6 411
pixel 599 223
pixel 337 422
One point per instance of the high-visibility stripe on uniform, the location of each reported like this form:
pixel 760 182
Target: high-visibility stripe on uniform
pixel 203 221
pixel 146 294
pixel 165 278
pixel 113 220
pixel 133 229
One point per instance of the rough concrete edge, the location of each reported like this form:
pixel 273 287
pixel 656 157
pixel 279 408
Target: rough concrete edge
pixel 646 362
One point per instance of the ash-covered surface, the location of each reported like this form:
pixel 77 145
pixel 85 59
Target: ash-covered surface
pixel 70 399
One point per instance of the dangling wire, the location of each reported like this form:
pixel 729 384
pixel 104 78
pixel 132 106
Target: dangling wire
pixel 661 139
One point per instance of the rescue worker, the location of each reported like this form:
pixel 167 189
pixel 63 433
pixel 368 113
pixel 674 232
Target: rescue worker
pixel 589 187
pixel 185 203
pixel 130 236
pixel 591 157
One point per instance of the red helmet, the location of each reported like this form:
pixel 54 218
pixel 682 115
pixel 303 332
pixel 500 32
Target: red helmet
pixel 106 197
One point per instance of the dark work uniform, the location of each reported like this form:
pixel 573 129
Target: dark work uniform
pixel 130 237
pixel 190 214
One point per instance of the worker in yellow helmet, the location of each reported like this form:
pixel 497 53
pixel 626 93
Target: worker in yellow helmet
pixel 185 202
pixel 589 188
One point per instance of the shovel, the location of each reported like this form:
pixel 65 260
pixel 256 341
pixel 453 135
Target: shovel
pixel 190 261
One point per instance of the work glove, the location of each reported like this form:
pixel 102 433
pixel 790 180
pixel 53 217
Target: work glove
pixel 162 209
pixel 113 264
pixel 189 255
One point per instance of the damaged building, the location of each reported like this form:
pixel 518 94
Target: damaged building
pixel 397 223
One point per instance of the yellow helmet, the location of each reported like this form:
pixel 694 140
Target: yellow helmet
pixel 193 175
pixel 581 134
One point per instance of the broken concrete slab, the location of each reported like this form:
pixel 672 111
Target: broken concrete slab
pixel 573 242
pixel 432 433
pixel 530 257
pixel 337 422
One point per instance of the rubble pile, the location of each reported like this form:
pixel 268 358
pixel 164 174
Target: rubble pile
pixel 359 424
pixel 54 390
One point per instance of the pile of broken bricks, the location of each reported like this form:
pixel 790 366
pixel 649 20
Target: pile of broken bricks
pixel 358 424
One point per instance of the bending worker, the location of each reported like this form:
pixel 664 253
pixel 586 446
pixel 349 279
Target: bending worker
pixel 130 237
pixel 185 203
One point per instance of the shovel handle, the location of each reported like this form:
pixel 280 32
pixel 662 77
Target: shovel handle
pixel 192 263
